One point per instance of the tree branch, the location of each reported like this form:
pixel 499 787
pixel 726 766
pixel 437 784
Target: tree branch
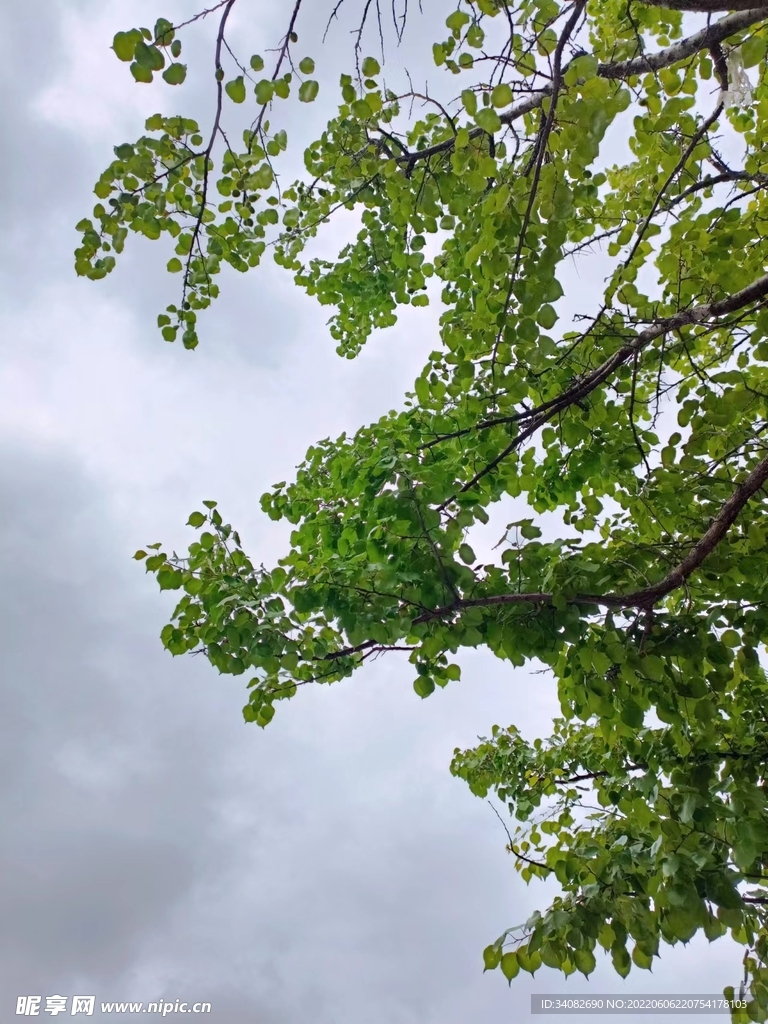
pixel 584 387
pixel 720 526
pixel 704 6
pixel 195 242
pixel 734 177
pixel 648 596
pixel 621 70
pixel 706 38
pixel 281 55
pixel 537 159
pixel 689 149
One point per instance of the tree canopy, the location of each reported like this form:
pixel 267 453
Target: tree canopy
pixel 547 132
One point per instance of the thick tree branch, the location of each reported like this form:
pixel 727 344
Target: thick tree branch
pixel 720 526
pixel 642 599
pixel 710 36
pixel 621 70
pixel 711 181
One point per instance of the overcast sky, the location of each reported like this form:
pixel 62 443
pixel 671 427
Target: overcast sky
pixel 326 870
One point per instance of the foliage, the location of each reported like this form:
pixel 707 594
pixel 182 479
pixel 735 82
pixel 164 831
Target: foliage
pixel 642 426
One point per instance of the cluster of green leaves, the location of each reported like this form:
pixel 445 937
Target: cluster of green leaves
pixel 147 52
pixel 670 831
pixel 644 429
pixel 161 182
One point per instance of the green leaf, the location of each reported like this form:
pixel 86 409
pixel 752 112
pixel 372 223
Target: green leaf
pixel 642 959
pixel 529 961
pixel 475 36
pixel 141 73
pixel 509 966
pixel 457 20
pixel 306 66
pixel 197 519
pixel 124 44
pixel 308 91
pixel 632 715
pixel 264 91
pixel 722 892
pixel 469 101
pixel 529 531
pixel 174 265
pixel 584 961
pixel 488 120
pixel 265 715
pixel 491 957
pixel 371 67
pixel 236 89
pixel 291 217
pixel 164 33
pixel 175 74
pixel 466 554
pixel 148 56
pixel 621 961
pixel 361 109
pixel 501 96
pixel 753 51
pixel 546 317
pixel 424 686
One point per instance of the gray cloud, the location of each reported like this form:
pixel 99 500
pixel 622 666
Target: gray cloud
pixel 86 870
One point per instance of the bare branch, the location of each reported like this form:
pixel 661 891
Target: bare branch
pixel 201 14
